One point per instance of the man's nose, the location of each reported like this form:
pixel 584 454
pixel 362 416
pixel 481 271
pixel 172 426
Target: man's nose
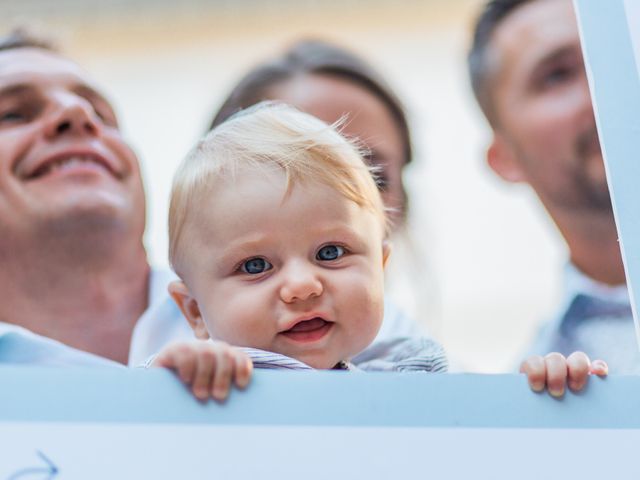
pixel 71 115
pixel 300 282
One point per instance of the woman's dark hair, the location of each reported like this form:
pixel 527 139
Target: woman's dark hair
pixel 309 57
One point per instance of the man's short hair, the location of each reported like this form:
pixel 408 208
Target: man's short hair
pixel 23 38
pixel 478 61
pixel 267 137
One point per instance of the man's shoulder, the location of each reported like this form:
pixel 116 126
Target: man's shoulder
pixel 21 346
pixel 583 297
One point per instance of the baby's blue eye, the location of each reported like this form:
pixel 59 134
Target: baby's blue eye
pixel 255 266
pixel 330 252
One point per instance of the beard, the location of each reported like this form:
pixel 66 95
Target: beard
pixel 575 183
pixel 592 191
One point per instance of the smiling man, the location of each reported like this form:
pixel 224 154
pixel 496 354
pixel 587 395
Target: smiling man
pixel 529 78
pixel 76 285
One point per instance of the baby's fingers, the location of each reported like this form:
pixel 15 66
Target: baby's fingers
pixel 205 366
pixel 578 367
pixel 180 358
pixel 535 369
pixel 224 371
pixel 556 373
pixel 243 368
pixel 600 368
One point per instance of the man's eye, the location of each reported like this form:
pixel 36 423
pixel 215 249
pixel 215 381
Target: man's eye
pixel 330 252
pixel 557 76
pixel 11 117
pixel 106 116
pixel 255 266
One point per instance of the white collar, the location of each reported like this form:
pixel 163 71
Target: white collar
pixel 577 282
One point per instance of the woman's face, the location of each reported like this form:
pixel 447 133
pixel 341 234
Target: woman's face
pixel 368 119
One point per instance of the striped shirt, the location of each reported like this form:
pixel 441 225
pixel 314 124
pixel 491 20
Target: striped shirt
pixel 395 355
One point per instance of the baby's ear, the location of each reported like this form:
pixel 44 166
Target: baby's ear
pixel 189 307
pixel 386 251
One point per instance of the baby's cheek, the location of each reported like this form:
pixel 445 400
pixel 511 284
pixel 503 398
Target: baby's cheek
pixel 219 322
pixel 246 329
pixel 369 313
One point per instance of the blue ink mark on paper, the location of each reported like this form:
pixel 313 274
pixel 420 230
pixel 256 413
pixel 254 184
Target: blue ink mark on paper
pixel 47 472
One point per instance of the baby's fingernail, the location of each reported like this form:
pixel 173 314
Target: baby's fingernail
pixel 220 394
pixel 201 393
pixel 599 367
pixel 557 393
pixel 537 386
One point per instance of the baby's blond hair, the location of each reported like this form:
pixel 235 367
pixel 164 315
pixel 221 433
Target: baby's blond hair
pixel 265 137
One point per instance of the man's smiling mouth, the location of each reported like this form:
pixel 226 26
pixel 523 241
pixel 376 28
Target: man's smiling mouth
pixel 69 163
pixel 82 162
pixel 310 330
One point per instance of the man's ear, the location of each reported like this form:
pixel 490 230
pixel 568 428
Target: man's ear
pixel 503 160
pixel 189 307
pixel 386 251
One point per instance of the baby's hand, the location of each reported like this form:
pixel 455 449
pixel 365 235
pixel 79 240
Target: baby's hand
pixel 554 372
pixel 207 366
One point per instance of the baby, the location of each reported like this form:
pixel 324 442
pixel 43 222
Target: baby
pixel 278 233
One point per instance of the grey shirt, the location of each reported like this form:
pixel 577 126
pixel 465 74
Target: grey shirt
pixel 595 319
pixel 394 355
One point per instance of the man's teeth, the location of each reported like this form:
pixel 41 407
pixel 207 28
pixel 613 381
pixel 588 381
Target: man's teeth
pixel 67 162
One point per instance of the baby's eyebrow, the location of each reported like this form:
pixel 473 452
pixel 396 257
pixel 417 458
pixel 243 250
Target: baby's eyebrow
pixel 341 230
pixel 237 251
pixel 351 238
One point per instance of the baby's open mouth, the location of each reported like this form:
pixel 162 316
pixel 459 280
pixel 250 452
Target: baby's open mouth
pixel 308 330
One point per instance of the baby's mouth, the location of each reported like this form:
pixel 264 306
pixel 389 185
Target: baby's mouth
pixel 308 330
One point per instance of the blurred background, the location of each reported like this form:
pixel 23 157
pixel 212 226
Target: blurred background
pixel 492 257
